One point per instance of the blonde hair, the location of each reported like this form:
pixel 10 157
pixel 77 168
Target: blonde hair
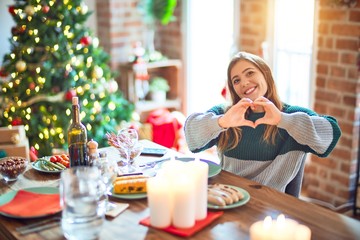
pixel 234 133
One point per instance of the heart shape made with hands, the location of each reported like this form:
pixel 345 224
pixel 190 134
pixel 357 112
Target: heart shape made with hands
pixel 272 113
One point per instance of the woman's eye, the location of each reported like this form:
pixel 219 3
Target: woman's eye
pixel 236 81
pixel 249 73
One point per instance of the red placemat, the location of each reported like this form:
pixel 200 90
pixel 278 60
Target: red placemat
pixel 28 204
pixel 187 232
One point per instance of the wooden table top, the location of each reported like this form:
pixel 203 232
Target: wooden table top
pixel 233 224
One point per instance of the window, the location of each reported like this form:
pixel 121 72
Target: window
pixel 208 42
pixel 291 55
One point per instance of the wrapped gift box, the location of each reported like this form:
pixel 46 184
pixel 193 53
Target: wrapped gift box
pixel 13 141
pixel 13 135
pixel 20 150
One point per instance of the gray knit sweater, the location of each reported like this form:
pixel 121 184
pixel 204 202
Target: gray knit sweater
pixel 301 131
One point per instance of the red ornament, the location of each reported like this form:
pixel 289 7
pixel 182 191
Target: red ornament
pixel 85 41
pixel 3 73
pixel 16 122
pixel 12 10
pixel 32 86
pixel 70 94
pixel 45 9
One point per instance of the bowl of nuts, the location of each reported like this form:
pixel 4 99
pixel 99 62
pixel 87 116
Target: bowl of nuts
pixel 12 167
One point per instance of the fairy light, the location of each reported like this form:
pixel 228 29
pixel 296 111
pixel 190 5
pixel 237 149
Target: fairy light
pixel 37 39
pixel 85 102
pixel 80 90
pixel 15 38
pixel 26 127
pixel 107 119
pixel 11 84
pixel 37 89
pixel 68 112
pixel 38 70
pixel 28 91
pixel 81 74
pixel 36 31
pixel 41 135
pixel 102 95
pixel 29 18
pixel 86 50
pixel 88 126
pixel 54 118
pixel 51 3
pixel 28 110
pixel 17 81
pixel 52 132
pixel 31 32
pixel 56 47
pixel 87 86
pixel 76 78
pixel 27 116
pixel 78 47
pixel 92 96
pixel 12 55
pixel 58 24
pixel 111 106
pixel 12 109
pixel 29 50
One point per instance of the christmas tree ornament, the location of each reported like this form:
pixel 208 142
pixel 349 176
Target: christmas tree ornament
pixel 85 41
pixel 70 94
pixel 84 9
pixel 97 72
pixel 32 86
pixel 112 86
pixel 12 10
pixel 20 66
pixel 45 9
pixel 16 122
pixel 29 10
pixel 3 72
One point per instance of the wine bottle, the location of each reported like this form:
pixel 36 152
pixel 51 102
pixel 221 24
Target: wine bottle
pixel 77 137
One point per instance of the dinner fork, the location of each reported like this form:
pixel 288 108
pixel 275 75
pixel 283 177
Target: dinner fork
pixel 39 226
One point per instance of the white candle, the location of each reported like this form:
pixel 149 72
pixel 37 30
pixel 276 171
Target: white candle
pixel 261 230
pixel 199 170
pixel 159 201
pixel 183 200
pixel 284 228
pixel 279 229
pixel 302 232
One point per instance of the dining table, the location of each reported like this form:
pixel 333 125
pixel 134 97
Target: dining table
pixel 234 223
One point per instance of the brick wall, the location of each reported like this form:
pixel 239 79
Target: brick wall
pixel 253 19
pixel 337 90
pixel 332 179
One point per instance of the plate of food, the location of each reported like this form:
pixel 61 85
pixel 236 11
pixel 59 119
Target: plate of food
pixel 222 196
pixel 51 164
pixel 30 203
pixel 130 187
pixel 214 169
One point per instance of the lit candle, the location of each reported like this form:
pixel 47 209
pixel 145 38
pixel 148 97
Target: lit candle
pixel 302 232
pixel 183 200
pixel 159 201
pixel 281 229
pixel 199 170
pixel 284 228
pixel 262 230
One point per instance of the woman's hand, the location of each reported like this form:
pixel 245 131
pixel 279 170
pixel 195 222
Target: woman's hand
pixel 235 116
pixel 272 113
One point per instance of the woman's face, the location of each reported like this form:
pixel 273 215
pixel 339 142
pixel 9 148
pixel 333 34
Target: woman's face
pixel 247 80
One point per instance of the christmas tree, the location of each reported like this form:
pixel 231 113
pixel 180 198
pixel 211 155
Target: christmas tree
pixel 54 57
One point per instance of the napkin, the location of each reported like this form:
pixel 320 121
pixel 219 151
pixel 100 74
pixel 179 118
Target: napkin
pixel 30 204
pixel 187 232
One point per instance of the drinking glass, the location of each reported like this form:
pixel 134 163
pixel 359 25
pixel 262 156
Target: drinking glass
pixel 109 169
pixel 127 140
pixel 82 216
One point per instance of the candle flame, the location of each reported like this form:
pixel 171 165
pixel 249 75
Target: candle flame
pixel 267 222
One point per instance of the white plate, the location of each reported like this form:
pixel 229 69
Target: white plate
pixel 234 205
pixel 7 197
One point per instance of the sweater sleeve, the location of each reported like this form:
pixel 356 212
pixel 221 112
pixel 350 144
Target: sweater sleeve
pixel 202 131
pixel 319 133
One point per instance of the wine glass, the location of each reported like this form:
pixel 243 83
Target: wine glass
pixel 109 171
pixel 127 140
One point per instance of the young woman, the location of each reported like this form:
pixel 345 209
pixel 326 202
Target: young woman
pixel 258 136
